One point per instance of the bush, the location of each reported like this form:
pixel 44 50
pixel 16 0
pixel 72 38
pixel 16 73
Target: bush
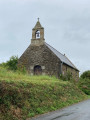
pixel 84 82
pixel 84 85
pixel 67 77
pixel 12 63
pixel 86 74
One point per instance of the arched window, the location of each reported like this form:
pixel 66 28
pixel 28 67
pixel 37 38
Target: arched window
pixel 37 70
pixel 37 34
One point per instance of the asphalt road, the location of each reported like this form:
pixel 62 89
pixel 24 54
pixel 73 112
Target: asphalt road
pixel 80 111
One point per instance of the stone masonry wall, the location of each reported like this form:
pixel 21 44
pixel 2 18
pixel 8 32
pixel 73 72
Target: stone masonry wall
pixel 74 73
pixel 49 62
pixel 43 56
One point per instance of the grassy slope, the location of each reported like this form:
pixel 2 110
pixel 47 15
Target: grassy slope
pixel 24 96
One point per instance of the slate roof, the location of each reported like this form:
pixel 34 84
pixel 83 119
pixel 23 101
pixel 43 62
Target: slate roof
pixel 62 57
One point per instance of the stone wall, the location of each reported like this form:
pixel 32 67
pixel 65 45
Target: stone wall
pixel 74 72
pixel 43 56
pixel 49 62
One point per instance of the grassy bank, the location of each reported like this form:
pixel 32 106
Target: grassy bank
pixel 24 96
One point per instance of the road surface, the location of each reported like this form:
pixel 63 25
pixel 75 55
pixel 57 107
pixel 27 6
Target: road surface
pixel 80 111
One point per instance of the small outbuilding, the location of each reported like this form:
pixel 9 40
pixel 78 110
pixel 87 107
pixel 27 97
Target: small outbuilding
pixel 42 59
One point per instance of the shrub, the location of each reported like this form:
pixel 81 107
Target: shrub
pixel 12 63
pixel 21 70
pixel 84 85
pixel 84 82
pixel 86 74
pixel 67 77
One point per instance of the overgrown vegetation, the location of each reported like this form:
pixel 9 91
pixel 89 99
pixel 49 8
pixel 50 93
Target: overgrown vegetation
pixel 11 64
pixel 67 77
pixel 23 96
pixel 86 75
pixel 84 82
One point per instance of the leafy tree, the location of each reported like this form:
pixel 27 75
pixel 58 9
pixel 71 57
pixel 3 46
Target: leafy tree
pixel 84 82
pixel 12 63
pixel 86 74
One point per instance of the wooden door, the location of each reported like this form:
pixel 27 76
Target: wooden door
pixel 37 70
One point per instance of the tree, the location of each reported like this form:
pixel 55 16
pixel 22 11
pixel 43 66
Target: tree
pixel 84 82
pixel 86 74
pixel 12 63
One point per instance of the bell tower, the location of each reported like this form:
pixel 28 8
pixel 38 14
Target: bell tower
pixel 37 35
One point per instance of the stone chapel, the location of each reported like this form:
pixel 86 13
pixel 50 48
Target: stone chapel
pixel 42 59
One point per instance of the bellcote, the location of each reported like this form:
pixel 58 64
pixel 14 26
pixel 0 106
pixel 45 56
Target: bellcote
pixel 37 34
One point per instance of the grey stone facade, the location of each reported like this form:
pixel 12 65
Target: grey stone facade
pixel 41 58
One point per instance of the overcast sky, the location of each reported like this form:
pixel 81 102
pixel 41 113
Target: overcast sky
pixel 66 24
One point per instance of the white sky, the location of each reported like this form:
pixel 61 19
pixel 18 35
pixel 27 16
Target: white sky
pixel 66 24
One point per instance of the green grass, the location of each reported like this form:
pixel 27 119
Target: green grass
pixel 24 96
